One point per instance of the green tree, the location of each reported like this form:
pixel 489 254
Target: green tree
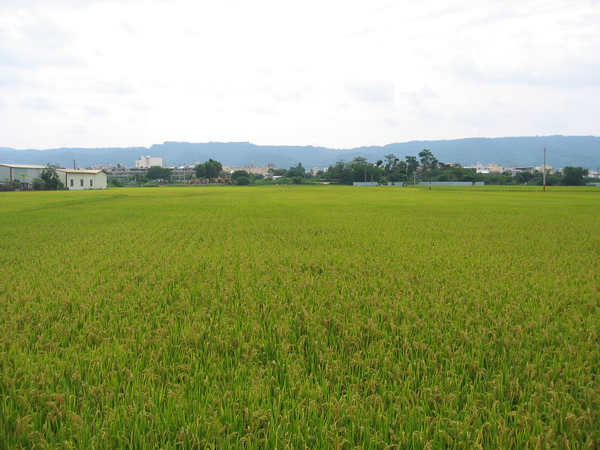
pixel 428 162
pixel 496 178
pixel 551 180
pixel 364 171
pixel 114 182
pixel 295 172
pixel 523 177
pixel 138 177
pixel 340 172
pixel 213 168
pixel 239 173
pixel 391 161
pixel 51 179
pixel 38 184
pixel 159 173
pixel 395 170
pixel 441 176
pixel 208 169
pixel 200 170
pixel 574 176
pixel 242 180
pixel 277 172
pixel 412 165
pixel 299 167
pixel 358 166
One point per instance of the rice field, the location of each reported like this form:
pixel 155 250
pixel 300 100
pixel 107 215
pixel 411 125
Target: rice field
pixel 300 317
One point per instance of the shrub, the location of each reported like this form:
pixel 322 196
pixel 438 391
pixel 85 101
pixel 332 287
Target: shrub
pixel 38 184
pixel 242 181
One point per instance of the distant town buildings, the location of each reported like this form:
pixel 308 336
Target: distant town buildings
pixel 145 162
pixel 497 168
pixel 258 170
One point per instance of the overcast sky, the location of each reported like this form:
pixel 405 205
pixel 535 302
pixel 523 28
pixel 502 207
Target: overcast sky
pixel 334 73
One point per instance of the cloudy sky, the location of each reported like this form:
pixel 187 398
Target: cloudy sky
pixel 335 73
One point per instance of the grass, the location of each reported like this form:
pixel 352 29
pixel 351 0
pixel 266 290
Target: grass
pixel 300 317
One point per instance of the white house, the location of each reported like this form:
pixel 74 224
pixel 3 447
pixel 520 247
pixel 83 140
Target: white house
pixel 75 179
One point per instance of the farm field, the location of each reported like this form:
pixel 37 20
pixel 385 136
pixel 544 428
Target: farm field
pixel 300 317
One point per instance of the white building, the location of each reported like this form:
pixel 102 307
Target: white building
pixel 490 168
pixel 77 180
pixel 497 168
pixel 23 173
pixel 258 170
pixel 145 162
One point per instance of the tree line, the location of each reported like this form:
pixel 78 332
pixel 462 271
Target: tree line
pixel 425 167
pixel 409 170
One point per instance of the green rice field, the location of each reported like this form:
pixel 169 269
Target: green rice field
pixel 300 317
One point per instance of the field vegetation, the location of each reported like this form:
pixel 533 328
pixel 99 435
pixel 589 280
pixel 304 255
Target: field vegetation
pixel 300 317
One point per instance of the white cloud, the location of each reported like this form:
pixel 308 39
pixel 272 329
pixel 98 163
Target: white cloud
pixel 333 73
pixel 37 103
pixel 372 91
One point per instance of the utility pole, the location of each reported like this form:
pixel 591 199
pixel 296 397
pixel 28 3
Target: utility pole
pixel 544 172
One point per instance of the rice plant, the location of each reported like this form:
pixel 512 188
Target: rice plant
pixel 300 317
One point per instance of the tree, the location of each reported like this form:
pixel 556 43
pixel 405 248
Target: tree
pixel 299 167
pixel 364 171
pixel 295 172
pixel 390 162
pixel 159 173
pixel 38 184
pixel 341 172
pixel 551 180
pixel 242 180
pixel 114 182
pixel 213 168
pixel 208 169
pixel 51 179
pixel 399 172
pixel 239 173
pixel 200 170
pixel 138 177
pixel 395 170
pixel 411 166
pixel 523 177
pixel 573 176
pixel 358 167
pixel 428 161
pixel 277 172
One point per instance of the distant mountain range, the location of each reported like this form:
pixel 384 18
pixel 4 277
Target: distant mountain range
pixel 562 151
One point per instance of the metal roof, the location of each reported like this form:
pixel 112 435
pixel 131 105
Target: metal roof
pixel 23 166
pixel 80 171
